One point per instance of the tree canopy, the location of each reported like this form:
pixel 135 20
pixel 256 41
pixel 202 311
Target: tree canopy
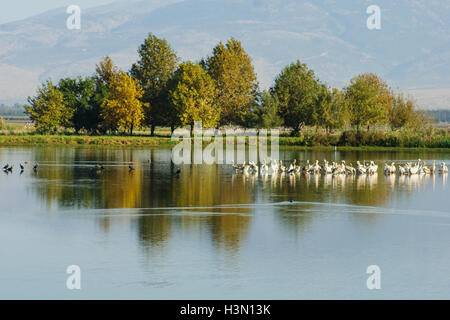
pixel 123 108
pixel 48 109
pixel 156 64
pixel 193 96
pixel 369 98
pixel 296 89
pixel 232 70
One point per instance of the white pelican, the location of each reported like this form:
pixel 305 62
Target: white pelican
pixel 443 168
pixel 360 168
pixel 307 166
pixel 264 168
pixel 282 168
pixel 326 168
pixel 315 168
pixel 433 167
pixel 349 169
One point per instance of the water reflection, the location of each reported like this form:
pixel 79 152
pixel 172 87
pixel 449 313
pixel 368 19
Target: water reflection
pixel 198 199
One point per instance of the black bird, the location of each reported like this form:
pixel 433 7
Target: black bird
pixel 21 167
pixel 6 167
pixel 130 167
pixel 10 168
pixel 178 171
pixel 35 167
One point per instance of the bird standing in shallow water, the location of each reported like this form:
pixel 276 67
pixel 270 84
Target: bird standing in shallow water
pixel 21 167
pixel 35 167
pixel 130 167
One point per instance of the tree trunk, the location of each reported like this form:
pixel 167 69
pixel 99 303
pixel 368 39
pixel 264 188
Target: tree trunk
pixel 152 130
pixel 131 130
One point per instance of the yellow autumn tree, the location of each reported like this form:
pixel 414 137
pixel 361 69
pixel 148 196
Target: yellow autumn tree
pixel 192 96
pixel 123 108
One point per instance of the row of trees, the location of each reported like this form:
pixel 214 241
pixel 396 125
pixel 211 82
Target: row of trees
pixel 220 90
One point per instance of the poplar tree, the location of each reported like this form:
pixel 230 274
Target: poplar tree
pixel 192 95
pixel 156 65
pixel 123 107
pixel 232 70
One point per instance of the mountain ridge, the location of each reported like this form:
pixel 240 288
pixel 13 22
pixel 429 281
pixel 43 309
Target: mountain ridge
pixel 411 50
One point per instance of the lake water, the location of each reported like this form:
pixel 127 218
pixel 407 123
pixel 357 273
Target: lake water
pixel 209 233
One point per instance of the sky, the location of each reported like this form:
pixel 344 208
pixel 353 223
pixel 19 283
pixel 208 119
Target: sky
pixel 21 9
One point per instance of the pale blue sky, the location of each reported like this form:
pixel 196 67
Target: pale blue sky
pixel 20 9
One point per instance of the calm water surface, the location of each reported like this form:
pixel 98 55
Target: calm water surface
pixel 208 233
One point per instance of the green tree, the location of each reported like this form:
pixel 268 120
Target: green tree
pixel 156 65
pixel 78 95
pixel 297 91
pixel 232 70
pixel 48 109
pixel 123 108
pixel 331 110
pixel 267 113
pixel 192 95
pixel 369 99
pixel 401 112
pixel 106 71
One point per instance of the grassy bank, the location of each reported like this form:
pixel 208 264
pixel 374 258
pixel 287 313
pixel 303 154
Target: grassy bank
pixel 35 139
pixel 348 140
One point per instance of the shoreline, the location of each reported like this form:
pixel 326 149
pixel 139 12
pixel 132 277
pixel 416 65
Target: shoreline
pixel 8 140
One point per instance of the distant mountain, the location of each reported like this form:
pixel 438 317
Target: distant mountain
pixel 412 49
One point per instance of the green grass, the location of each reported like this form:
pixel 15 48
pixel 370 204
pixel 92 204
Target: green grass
pixel 348 140
pixel 35 139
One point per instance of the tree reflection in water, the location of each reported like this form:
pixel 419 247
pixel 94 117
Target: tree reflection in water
pixel 209 200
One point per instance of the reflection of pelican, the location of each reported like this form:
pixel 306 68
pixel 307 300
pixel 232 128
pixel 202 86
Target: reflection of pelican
pixel 391 178
pixel 372 180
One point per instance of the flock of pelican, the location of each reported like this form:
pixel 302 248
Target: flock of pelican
pixel 368 168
